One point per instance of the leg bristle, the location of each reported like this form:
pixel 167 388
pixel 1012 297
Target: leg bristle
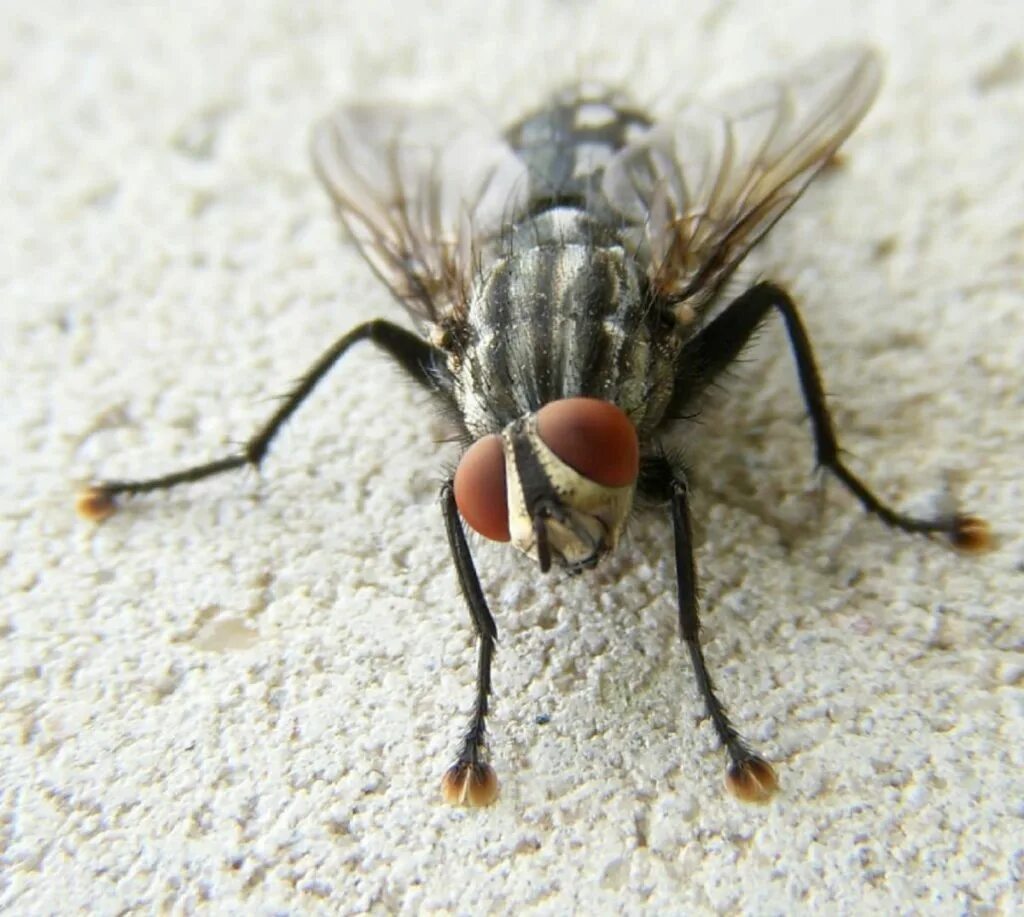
pixel 752 780
pixel 467 784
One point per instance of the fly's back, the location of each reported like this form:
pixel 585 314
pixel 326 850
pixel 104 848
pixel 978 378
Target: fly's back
pixel 562 307
pixel 563 313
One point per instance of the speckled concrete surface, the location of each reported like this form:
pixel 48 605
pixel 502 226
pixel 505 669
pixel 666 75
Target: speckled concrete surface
pixel 241 696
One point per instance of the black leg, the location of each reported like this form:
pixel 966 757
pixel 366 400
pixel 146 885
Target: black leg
pixel 718 345
pixel 750 777
pixel 412 353
pixel 471 780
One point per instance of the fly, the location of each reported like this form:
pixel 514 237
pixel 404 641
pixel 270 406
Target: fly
pixel 567 279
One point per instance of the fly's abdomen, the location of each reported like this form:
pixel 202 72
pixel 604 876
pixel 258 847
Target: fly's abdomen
pixel 567 144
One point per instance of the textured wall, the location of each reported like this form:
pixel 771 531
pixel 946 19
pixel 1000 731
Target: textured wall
pixel 244 693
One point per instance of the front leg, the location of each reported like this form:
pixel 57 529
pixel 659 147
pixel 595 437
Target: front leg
pixel 749 777
pixel 719 344
pixel 471 780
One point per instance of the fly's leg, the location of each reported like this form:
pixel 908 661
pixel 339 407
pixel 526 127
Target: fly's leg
pixel 471 780
pixel 749 777
pixel 711 351
pixel 413 354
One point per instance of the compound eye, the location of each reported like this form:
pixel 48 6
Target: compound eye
pixel 594 437
pixel 480 492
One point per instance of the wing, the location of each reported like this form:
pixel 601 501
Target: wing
pixel 420 190
pixel 698 193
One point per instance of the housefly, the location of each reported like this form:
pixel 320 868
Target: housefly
pixel 568 279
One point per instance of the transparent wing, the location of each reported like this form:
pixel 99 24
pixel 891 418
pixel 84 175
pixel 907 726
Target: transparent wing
pixel 419 190
pixel 700 191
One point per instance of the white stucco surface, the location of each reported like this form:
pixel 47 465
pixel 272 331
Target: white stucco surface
pixel 241 696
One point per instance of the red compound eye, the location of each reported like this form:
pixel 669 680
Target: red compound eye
pixel 594 437
pixel 480 488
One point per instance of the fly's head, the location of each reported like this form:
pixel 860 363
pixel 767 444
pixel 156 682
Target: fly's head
pixel 558 483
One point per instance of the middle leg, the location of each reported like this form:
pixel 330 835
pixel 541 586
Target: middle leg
pixel 471 780
pixel 721 342
pixel 414 355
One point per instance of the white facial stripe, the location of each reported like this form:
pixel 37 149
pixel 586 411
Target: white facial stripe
pixel 594 114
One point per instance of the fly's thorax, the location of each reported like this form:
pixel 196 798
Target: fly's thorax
pixel 562 312
pixel 558 483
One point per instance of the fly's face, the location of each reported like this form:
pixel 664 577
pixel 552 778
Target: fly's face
pixel 558 483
